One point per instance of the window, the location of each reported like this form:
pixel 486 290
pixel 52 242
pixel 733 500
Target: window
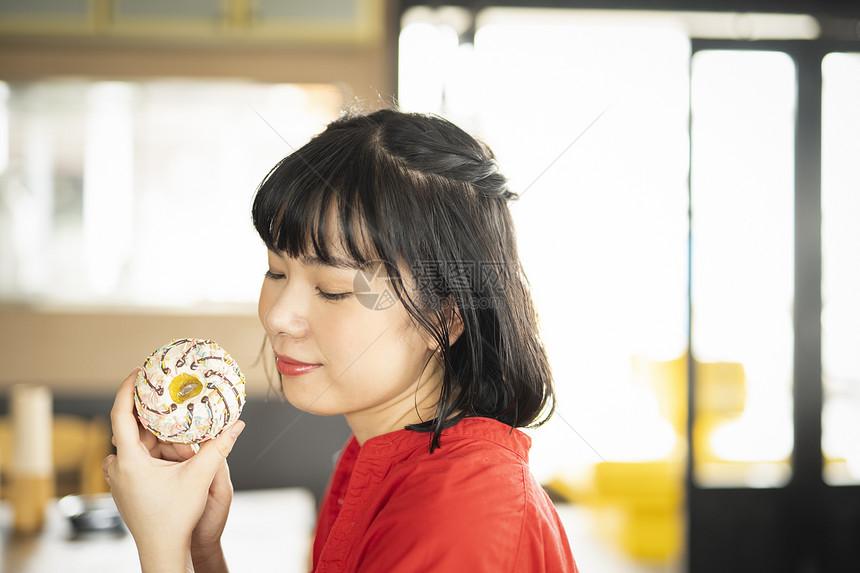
pixel 773 249
pixel 743 112
pixel 840 318
pixel 589 121
pixel 127 193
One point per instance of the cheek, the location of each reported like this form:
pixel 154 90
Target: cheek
pixel 264 303
pixel 345 334
pixel 361 335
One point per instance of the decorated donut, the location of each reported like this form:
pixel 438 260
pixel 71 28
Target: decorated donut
pixel 189 391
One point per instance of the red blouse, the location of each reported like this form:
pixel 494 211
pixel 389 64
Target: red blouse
pixel 472 506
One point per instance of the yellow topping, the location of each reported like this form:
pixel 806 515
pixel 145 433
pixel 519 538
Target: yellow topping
pixel 184 387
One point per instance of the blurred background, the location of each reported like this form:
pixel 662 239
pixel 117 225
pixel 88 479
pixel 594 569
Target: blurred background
pixel 689 174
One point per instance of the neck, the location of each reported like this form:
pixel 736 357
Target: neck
pixel 416 405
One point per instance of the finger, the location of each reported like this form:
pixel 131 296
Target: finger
pixel 173 452
pixel 156 447
pixel 163 450
pixel 123 420
pixel 184 451
pixel 213 452
pixel 221 486
pixel 106 464
pixel 147 438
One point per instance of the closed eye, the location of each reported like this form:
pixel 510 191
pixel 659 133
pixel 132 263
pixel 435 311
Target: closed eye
pixel 332 296
pixel 273 275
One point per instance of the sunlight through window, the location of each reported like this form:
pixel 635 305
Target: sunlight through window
pixel 743 108
pixel 589 121
pixel 127 193
pixel 840 318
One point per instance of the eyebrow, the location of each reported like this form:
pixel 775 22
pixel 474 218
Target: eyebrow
pixel 333 262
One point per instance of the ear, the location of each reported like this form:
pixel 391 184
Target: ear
pixel 453 320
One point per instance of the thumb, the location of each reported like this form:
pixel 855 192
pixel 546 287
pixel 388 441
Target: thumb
pixel 213 452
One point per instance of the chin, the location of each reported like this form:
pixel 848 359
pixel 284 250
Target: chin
pixel 310 404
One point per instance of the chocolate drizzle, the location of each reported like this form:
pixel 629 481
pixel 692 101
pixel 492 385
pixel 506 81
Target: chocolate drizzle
pixel 167 349
pixel 190 416
pixel 157 389
pixel 217 390
pixel 182 359
pixel 205 401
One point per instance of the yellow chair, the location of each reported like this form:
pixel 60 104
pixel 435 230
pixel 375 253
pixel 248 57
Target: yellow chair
pixel 79 446
pixel 638 505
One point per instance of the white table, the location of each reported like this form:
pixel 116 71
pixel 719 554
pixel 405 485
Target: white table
pixel 267 530
pixel 596 554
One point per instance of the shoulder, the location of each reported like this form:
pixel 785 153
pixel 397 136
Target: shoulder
pixel 465 507
pixel 478 460
pixel 463 474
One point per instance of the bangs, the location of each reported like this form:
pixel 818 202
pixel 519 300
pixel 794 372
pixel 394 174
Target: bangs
pixel 308 209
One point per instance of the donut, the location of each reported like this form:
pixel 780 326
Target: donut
pixel 189 391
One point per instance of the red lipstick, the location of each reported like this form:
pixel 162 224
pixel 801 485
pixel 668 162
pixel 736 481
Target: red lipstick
pixel 292 367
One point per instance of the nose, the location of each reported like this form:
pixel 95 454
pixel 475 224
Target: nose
pixel 285 317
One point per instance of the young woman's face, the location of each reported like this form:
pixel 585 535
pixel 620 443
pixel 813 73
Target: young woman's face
pixel 342 349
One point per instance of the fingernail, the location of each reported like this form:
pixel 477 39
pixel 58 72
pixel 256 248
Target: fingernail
pixel 133 371
pixel 237 428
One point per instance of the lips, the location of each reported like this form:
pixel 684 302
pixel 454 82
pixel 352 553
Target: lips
pixel 292 367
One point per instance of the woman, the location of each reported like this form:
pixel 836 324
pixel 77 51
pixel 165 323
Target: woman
pixel 394 296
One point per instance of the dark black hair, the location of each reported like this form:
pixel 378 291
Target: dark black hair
pixel 415 191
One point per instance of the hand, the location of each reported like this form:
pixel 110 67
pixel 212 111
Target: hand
pixel 206 552
pixel 160 492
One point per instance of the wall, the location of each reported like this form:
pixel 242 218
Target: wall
pixel 355 50
pixel 90 352
pixel 365 72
